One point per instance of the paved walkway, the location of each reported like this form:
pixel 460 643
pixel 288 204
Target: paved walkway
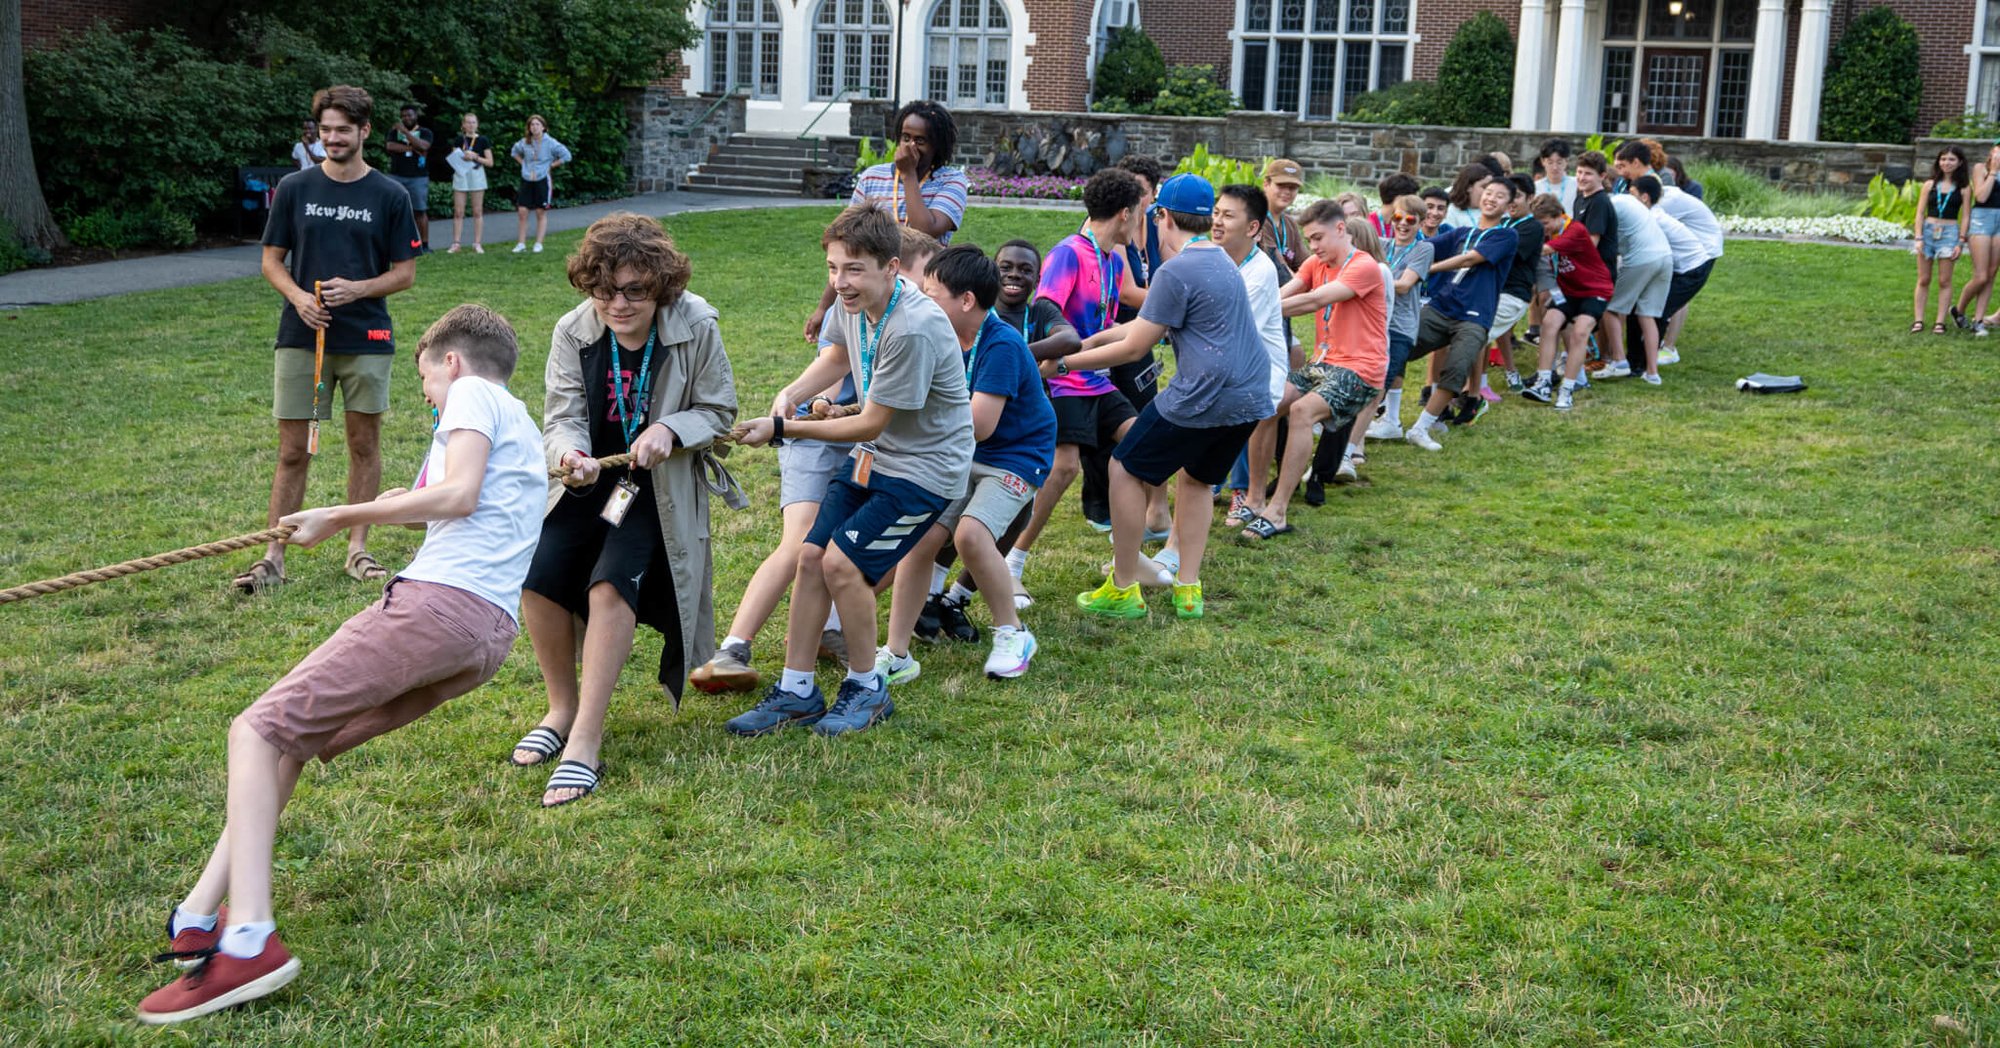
pixel 60 284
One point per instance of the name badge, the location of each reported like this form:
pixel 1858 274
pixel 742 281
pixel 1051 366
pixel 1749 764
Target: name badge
pixel 1145 379
pixel 864 463
pixel 620 502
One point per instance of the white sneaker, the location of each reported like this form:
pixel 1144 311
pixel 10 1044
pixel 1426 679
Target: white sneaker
pixel 1385 428
pixel 1651 380
pixel 538 247
pixel 479 249
pixel 1563 401
pixel 1616 369
pixel 1345 474
pixel 1669 355
pixel 1422 439
pixel 520 246
pixel 897 669
pixel 1012 650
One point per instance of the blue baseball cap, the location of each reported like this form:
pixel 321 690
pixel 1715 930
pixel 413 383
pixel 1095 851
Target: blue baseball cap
pixel 1187 194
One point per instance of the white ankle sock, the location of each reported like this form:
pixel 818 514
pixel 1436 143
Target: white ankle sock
pixel 870 680
pixel 1424 420
pixel 1543 376
pixel 1569 384
pixel 798 682
pixel 734 639
pixel 244 941
pixel 958 594
pixel 1016 560
pixel 184 920
pixel 939 573
pixel 1353 450
pixel 1392 405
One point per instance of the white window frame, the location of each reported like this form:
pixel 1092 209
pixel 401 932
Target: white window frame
pixel 1980 51
pixel 990 43
pixel 1104 17
pixel 762 32
pixel 1310 40
pixel 1715 45
pixel 869 30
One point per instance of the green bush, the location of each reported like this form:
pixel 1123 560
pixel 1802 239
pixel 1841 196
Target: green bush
pixel 13 255
pixel 154 224
pixel 1890 202
pixel 1130 73
pixel 1872 85
pixel 1732 190
pixel 1191 90
pixel 1969 124
pixel 1410 102
pixel 867 156
pixel 1475 80
pixel 1219 170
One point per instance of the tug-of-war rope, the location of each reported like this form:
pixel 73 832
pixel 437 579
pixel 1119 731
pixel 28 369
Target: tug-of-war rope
pixel 206 549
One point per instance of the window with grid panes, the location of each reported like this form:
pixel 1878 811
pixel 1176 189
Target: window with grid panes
pixel 1312 58
pixel 1732 94
pixel 1615 100
pixel 851 48
pixel 966 45
pixel 1985 72
pixel 743 49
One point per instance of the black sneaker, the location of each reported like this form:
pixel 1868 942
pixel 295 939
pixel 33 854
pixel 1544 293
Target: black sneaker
pixel 1539 391
pixel 1315 492
pixel 1532 336
pixel 1958 317
pixel 927 628
pixel 953 624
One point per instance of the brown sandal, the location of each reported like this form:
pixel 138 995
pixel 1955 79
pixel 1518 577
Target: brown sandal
pixel 265 574
pixel 364 568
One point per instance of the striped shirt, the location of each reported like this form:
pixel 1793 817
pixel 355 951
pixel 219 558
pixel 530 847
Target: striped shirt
pixel 943 191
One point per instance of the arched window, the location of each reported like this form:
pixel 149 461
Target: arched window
pixel 851 48
pixel 965 53
pixel 743 46
pixel 1312 58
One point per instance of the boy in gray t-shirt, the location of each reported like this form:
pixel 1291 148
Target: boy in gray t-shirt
pixel 913 447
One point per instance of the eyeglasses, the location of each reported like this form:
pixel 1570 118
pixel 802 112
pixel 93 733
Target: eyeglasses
pixel 633 293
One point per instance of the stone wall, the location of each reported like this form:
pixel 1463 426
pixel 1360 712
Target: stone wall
pixel 671 132
pixel 1079 143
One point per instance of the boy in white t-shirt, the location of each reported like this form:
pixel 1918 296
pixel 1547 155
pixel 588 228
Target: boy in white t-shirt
pixel 441 629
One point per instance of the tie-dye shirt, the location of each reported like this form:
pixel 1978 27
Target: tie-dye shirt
pixel 1073 277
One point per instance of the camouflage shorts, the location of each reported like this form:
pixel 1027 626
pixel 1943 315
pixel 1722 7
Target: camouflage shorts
pixel 1343 390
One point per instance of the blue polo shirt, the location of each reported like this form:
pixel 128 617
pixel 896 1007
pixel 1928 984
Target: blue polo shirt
pixel 1472 294
pixel 1024 441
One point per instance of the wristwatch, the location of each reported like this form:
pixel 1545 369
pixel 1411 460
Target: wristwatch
pixel 1062 366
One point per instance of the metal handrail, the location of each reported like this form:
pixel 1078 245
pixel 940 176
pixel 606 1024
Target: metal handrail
pixel 819 140
pixel 683 132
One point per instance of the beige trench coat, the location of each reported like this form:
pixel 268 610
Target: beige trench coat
pixel 694 393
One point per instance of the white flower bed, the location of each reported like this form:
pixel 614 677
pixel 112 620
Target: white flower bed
pixel 1856 228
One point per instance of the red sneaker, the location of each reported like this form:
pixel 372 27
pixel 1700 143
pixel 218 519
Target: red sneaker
pixel 220 981
pixel 194 941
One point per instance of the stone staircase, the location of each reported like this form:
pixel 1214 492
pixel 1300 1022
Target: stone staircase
pixel 761 165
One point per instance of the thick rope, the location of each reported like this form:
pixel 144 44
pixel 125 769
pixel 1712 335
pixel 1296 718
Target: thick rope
pixel 604 465
pixel 133 567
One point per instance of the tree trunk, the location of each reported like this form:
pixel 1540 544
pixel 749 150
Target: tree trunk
pixel 21 203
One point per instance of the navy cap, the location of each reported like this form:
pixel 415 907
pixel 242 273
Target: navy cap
pixel 1188 194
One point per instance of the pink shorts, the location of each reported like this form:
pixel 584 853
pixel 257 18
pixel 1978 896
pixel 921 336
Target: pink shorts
pixel 403 656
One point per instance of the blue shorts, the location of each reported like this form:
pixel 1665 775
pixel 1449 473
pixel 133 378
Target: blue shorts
pixel 1985 222
pixel 1399 356
pixel 877 524
pixel 1940 238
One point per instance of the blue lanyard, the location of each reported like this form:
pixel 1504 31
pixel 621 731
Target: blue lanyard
pixel 1026 315
pixel 1326 314
pixel 632 413
pixel 868 347
pixel 1278 234
pixel 1941 198
pixel 1396 257
pixel 1105 291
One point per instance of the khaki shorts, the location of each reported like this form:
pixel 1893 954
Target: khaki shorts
pixel 401 657
pixel 993 497
pixel 362 378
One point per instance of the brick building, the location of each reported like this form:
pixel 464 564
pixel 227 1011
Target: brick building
pixel 1622 66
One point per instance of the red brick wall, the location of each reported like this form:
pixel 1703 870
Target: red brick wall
pixel 1191 32
pixel 1438 22
pixel 1058 57
pixel 42 21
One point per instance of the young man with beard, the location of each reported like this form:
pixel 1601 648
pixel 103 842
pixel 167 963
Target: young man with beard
pixel 340 240
pixel 913 447
pixel 409 149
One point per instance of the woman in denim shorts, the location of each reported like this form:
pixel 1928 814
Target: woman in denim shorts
pixel 1943 216
pixel 1981 231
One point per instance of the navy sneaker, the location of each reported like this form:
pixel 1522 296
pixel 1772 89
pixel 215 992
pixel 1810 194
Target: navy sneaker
pixel 952 623
pixel 780 709
pixel 857 708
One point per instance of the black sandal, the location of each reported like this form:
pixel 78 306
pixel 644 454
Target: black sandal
pixel 544 742
pixel 1261 529
pixel 573 775
pixel 1937 328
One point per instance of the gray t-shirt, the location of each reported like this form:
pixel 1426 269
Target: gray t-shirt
pixel 919 372
pixel 1417 257
pixel 1221 373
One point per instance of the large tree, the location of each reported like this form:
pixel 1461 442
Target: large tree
pixel 21 202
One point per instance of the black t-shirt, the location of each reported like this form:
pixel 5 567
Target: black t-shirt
pixel 1520 281
pixel 1598 218
pixel 411 164
pixel 477 143
pixel 1041 315
pixel 352 230
pixel 607 428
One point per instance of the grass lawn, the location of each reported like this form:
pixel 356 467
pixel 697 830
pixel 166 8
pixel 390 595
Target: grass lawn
pixel 1668 721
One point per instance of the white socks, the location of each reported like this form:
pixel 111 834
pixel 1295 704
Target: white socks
pixel 958 594
pixel 798 682
pixel 939 573
pixel 734 639
pixel 1392 404
pixel 244 941
pixel 1424 420
pixel 1353 450
pixel 870 680
pixel 1016 560
pixel 184 920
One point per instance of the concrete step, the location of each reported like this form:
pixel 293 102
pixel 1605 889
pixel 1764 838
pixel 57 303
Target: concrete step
pixel 733 167
pixel 747 187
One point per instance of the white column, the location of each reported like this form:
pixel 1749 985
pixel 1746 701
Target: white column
pixel 1528 65
pixel 1767 72
pixel 1566 108
pixel 1815 27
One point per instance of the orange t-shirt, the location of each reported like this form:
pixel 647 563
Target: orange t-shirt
pixel 1353 334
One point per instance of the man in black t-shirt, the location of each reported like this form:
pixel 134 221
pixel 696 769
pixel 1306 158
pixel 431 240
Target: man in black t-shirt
pixel 349 228
pixel 409 149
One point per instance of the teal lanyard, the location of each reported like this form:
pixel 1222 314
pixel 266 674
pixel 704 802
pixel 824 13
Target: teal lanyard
pixel 869 346
pixel 1105 290
pixel 1943 197
pixel 1278 235
pixel 1327 313
pixel 1396 257
pixel 632 413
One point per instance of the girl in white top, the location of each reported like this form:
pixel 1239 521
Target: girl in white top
pixel 469 158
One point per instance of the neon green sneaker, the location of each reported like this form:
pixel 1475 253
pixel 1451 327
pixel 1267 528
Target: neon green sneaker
pixel 1187 599
pixel 1112 600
